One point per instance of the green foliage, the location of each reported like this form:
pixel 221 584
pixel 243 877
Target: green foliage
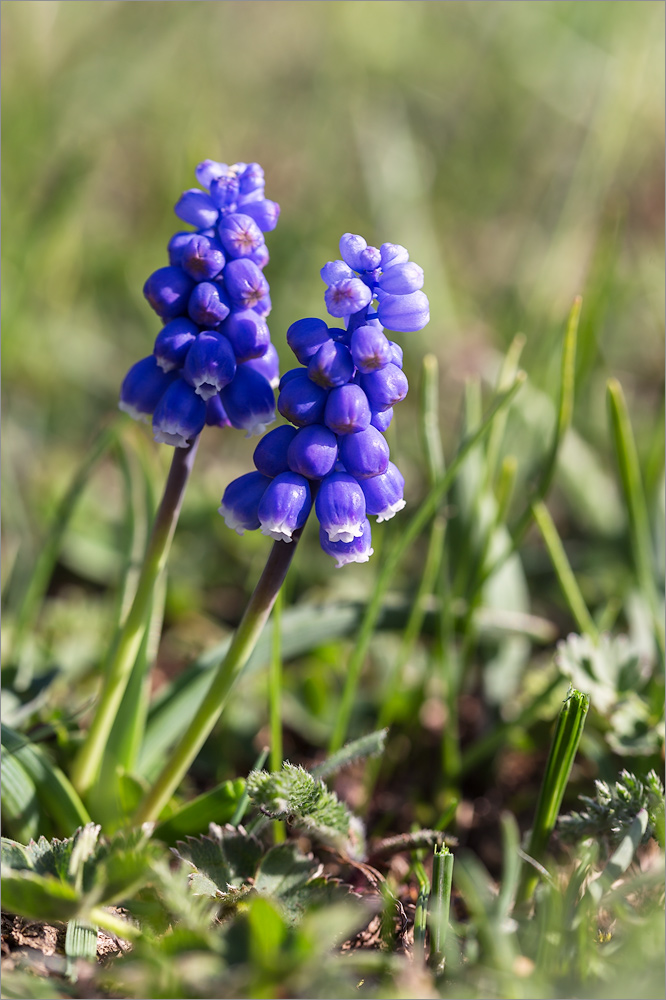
pixel 307 804
pixel 229 864
pixel 607 816
pixel 618 676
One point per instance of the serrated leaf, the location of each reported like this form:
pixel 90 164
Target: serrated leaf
pixel 51 857
pixel 284 869
pixel 228 856
pixel 14 855
pixel 39 897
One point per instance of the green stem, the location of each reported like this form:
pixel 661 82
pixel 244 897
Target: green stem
pixel 563 750
pixel 274 703
pixel 250 628
pixel 440 902
pixel 87 763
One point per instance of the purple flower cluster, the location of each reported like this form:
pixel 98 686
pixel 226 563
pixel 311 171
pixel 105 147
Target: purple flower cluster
pixel 213 361
pixel 339 404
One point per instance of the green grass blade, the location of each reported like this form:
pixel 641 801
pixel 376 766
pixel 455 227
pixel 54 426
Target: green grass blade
pixel 564 573
pixel 432 439
pixel 563 749
pixel 387 571
pixel 48 553
pixel 634 495
pixel 55 793
pixel 506 376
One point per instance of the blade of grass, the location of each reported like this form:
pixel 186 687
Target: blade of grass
pixel 634 495
pixel 20 807
pixel 387 571
pixel 563 749
pixel 217 806
pixel 48 553
pixel 564 573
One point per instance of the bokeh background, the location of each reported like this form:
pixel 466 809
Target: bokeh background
pixel 517 149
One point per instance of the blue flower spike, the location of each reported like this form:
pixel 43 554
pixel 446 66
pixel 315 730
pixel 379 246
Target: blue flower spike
pixel 213 299
pixel 339 402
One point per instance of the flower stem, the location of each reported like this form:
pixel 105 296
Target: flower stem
pixel 250 628
pixel 87 763
pixel 274 704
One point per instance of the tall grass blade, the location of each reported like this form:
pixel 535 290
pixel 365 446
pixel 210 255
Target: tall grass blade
pixel 563 749
pixel 564 573
pixel 634 495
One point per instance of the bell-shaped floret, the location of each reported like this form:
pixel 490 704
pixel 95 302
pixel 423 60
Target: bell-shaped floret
pixel 249 401
pixel 396 354
pixel 143 387
pixel 306 336
pixel 313 452
pixel 208 304
pixel 248 334
pixel 382 421
pixel 179 416
pixel 196 208
pixel 336 270
pixel 370 258
pixel 270 455
pixel 401 279
pixel 264 212
pixel 224 191
pixel 405 313
pixel 177 245
pixel 358 550
pixel 340 507
pixel 240 503
pixel 173 342
pixel 260 256
pixel 347 410
pixel 347 296
pixel 210 364
pixel 302 402
pixel 384 495
pixel 370 348
pixel 202 258
pixel 351 248
pixel 206 171
pixel 239 235
pixel 168 290
pixel 251 180
pixel 365 454
pixel 216 415
pixel 392 254
pixel 267 365
pixel 245 284
pixel 285 506
pixel 385 388
pixel 331 366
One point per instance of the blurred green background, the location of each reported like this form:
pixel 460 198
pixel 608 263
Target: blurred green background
pixel 517 149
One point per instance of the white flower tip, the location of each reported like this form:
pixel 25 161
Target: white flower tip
pixel 391 511
pixel 165 364
pixel 277 534
pixel 231 520
pixel 256 430
pixel 133 412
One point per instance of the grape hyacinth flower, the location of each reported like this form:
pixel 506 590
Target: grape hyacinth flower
pixel 213 299
pixel 213 365
pixel 332 454
pixel 339 404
